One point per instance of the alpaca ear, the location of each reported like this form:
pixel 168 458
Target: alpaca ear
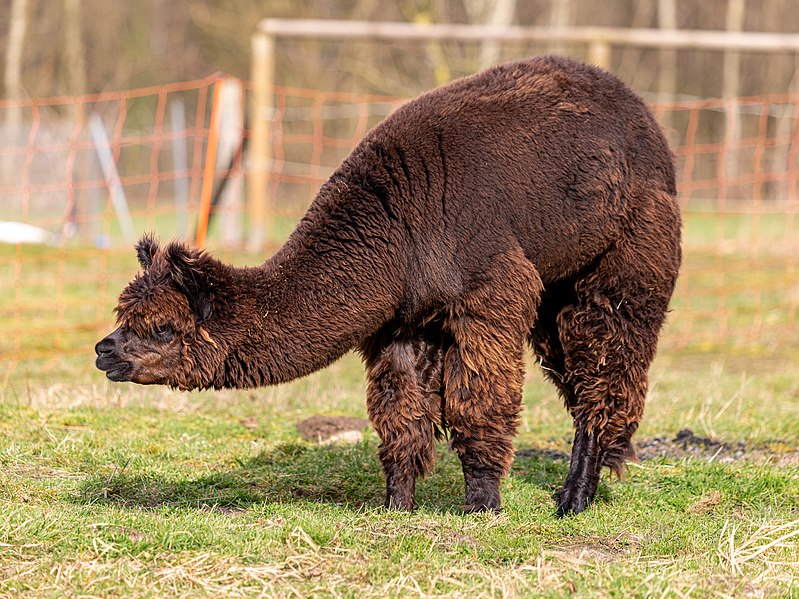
pixel 146 250
pixel 192 273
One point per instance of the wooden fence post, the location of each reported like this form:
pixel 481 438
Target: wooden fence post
pixel 209 169
pixel 599 53
pixel 180 165
pixel 260 205
pixel 231 126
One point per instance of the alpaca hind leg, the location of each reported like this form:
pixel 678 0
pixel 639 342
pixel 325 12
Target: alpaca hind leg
pixel 606 380
pixel 403 412
pixel 584 469
pixel 609 337
pixel 484 372
pixel 544 337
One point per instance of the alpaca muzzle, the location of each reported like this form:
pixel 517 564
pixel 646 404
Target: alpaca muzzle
pixel 108 359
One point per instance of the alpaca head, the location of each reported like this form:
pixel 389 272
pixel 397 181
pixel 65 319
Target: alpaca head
pixel 164 316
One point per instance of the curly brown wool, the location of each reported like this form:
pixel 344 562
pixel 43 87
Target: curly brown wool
pixel 533 203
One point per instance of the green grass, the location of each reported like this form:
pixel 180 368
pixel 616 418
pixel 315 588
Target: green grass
pixel 121 490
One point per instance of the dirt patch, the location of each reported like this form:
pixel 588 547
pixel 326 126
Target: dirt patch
pixel 330 429
pixel 688 445
pixel 597 549
pixel 547 454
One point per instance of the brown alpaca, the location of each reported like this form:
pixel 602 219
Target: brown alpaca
pixel 533 202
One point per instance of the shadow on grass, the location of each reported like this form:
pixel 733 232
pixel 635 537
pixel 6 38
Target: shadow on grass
pixel 298 472
pixel 345 475
pixel 547 469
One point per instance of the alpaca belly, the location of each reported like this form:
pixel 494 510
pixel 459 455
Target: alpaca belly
pixel 565 251
pixel 433 280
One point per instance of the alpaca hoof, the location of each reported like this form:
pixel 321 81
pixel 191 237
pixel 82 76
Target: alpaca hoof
pixel 396 505
pixel 475 508
pixel 488 500
pixel 571 502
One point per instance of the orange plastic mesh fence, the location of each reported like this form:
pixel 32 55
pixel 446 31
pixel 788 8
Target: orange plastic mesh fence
pixel 84 176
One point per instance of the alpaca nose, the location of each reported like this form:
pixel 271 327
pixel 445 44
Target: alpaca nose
pixel 105 346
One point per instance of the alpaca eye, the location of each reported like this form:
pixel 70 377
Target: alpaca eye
pixel 164 333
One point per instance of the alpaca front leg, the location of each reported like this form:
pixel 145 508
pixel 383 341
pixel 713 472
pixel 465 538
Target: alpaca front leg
pixel 484 372
pixel 399 411
pixel 482 409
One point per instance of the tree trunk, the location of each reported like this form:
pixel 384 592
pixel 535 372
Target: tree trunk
pixel 73 47
pixel 499 13
pixel 561 16
pixel 667 77
pixel 76 84
pixel 16 42
pixel 732 89
pixel 12 80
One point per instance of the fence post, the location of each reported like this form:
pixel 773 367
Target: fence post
pixel 209 169
pixel 231 124
pixel 102 147
pixel 599 53
pixel 180 163
pixel 261 110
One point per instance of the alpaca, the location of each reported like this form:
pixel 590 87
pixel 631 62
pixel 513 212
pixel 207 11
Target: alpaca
pixel 533 203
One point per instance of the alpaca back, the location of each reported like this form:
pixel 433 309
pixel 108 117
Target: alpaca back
pixel 549 153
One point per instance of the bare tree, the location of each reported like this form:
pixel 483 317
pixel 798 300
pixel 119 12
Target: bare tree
pixel 73 47
pixel 560 16
pixel 13 77
pixel 491 12
pixel 732 84
pixel 16 41
pixel 736 10
pixel 75 67
pixel 667 77
pixel 667 74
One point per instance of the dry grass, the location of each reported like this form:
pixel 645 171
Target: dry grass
pixel 772 550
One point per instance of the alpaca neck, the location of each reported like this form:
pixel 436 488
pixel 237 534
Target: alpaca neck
pixel 329 287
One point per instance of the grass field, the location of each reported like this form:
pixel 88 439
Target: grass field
pixel 112 490
pixel 120 490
